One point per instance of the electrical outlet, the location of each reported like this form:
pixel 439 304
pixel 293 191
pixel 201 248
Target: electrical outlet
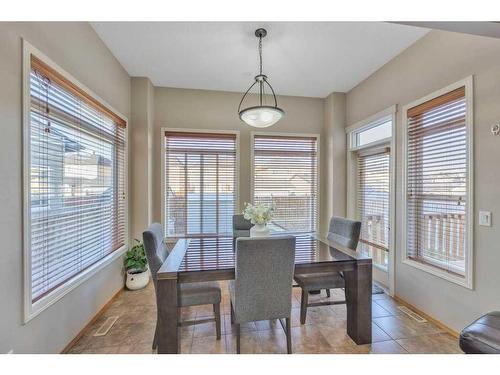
pixel 485 218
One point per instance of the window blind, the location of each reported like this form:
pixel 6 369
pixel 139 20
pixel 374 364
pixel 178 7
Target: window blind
pixel 437 182
pixel 285 174
pixel 77 180
pixel 373 203
pixel 200 181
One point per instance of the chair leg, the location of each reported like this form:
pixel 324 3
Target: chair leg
pixel 232 312
pixel 328 293
pixel 237 338
pixel 155 339
pixel 303 306
pixel 288 336
pixel 217 319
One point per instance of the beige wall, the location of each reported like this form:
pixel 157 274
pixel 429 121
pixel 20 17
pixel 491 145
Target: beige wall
pixel 140 166
pixel 435 61
pixel 203 109
pixel 334 159
pixel 78 50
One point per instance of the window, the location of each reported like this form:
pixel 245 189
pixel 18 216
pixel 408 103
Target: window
pixel 285 173
pixel 438 197
pixel 381 130
pixel 373 202
pixel 200 183
pixel 75 182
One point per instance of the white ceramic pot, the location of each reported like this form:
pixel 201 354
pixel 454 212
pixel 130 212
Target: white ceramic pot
pixel 260 230
pixel 137 280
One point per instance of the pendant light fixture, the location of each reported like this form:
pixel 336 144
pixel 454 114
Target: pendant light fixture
pixel 262 115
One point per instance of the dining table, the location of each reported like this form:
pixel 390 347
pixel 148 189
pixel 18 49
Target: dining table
pixel 201 259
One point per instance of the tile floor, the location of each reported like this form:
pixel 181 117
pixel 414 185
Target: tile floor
pixel 324 331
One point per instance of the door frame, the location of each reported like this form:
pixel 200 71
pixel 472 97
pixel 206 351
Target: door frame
pixel 351 131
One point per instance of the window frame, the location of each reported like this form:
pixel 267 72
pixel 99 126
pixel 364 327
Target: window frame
pixel 318 161
pixel 206 131
pixel 467 280
pixel 32 309
pixel 374 120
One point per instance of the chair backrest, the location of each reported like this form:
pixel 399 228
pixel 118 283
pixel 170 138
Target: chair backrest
pixel 156 250
pixel 263 278
pixel 344 231
pixel 240 223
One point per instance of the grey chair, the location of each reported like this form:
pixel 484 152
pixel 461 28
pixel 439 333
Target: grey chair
pixel 192 294
pixel 345 232
pixel 241 226
pixel 262 289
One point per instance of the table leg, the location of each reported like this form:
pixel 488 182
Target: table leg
pixel 168 315
pixel 359 303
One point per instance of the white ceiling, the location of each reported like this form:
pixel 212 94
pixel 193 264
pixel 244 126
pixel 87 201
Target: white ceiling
pixel 300 58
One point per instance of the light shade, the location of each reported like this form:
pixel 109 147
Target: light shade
pixel 261 116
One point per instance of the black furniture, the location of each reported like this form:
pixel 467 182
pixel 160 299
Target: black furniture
pixel 482 336
pixel 213 258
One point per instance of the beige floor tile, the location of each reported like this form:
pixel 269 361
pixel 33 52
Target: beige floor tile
pixel 324 332
pixel 245 327
pixel 440 343
pixel 384 347
pixel 378 334
pixel 115 349
pixel 378 311
pixel 264 325
pixel 308 339
pixel 389 305
pixel 273 341
pixel 321 315
pixel 208 345
pixel 401 327
pixel 250 343
pixel 206 330
pixel 204 311
pixel 144 348
pixel 336 334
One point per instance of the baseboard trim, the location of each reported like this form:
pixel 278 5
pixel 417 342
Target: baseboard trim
pixel 72 343
pixel 441 325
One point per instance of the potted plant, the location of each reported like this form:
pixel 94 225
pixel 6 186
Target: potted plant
pixel 259 215
pixel 136 265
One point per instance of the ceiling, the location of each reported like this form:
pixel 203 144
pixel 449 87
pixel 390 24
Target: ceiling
pixel 300 58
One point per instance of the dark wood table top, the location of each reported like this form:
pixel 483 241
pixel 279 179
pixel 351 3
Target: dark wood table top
pixel 194 255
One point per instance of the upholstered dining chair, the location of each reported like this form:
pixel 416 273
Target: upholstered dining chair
pixel 192 294
pixel 262 288
pixel 241 226
pixel 345 232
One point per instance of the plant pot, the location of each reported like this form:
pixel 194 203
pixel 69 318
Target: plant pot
pixel 260 230
pixel 137 279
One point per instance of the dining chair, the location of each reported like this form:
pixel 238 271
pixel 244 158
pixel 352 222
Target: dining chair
pixel 241 226
pixel 262 288
pixel 345 232
pixel 190 294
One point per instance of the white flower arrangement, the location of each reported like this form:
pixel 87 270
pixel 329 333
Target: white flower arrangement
pixel 258 214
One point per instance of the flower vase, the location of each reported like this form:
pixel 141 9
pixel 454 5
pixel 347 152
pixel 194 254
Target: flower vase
pixel 259 230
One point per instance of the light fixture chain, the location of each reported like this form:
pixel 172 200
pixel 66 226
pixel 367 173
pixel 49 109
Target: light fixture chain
pixel 260 53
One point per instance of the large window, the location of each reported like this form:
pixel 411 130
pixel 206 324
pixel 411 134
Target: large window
pixel 285 173
pixel 438 152
pixel 75 182
pixel 200 194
